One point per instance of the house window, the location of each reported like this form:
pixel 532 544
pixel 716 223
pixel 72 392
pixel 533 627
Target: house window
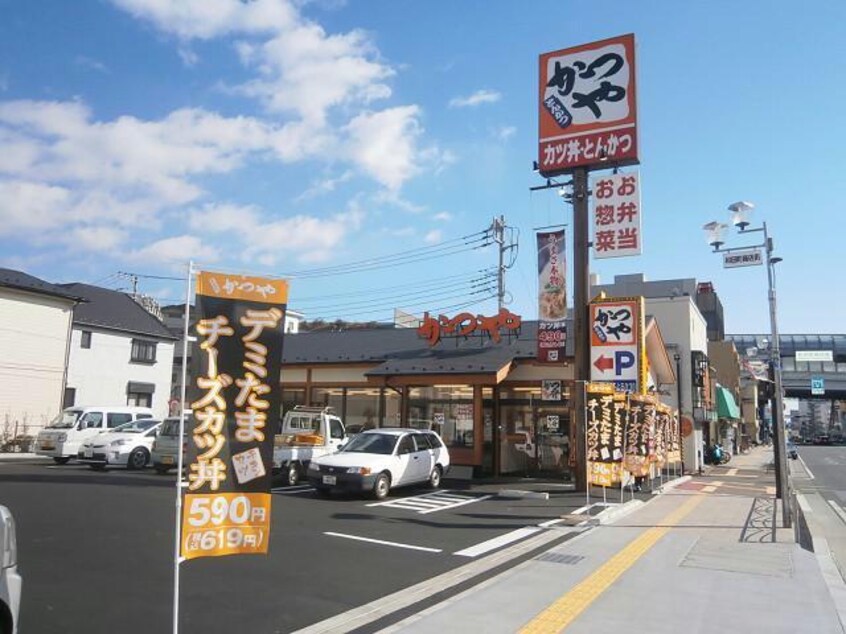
pixel 70 397
pixel 143 351
pixel 86 339
pixel 140 394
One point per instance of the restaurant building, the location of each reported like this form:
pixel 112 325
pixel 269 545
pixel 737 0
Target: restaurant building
pixel 499 411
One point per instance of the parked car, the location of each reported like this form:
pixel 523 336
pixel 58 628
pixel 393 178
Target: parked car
pixel 64 436
pixel 378 460
pixel 164 452
pixel 306 433
pixel 10 580
pixel 126 446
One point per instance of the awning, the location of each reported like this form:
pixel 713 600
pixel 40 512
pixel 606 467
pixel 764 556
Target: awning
pixel 726 405
pixel 135 387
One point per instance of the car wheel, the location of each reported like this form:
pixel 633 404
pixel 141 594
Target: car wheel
pixel 435 477
pixel 98 467
pixel 138 458
pixel 61 460
pixel 161 469
pixel 382 486
pixel 293 474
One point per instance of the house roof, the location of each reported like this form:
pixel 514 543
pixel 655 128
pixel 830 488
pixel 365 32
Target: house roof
pixel 10 278
pixel 113 310
pixel 401 351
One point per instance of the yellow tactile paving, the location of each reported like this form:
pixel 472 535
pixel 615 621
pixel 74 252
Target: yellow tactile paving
pixel 567 608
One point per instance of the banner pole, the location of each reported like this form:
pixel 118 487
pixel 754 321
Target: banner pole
pixel 583 398
pixel 177 523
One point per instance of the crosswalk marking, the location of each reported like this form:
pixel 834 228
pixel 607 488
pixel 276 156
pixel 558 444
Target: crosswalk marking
pixel 431 502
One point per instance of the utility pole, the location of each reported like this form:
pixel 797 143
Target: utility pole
pixel 498 228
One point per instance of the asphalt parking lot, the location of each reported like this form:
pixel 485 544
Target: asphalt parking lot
pixel 96 550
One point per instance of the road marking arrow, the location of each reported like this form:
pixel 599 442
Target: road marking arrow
pixel 604 363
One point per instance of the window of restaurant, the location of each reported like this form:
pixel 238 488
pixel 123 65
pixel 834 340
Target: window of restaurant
pixel 447 409
pixel 329 396
pixel 362 408
pixel 391 414
pixel 534 433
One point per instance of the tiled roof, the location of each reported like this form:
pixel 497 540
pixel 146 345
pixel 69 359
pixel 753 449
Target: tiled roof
pixel 114 310
pixel 24 282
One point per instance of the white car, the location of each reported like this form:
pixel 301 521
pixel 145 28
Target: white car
pixel 10 580
pixel 378 460
pixel 127 446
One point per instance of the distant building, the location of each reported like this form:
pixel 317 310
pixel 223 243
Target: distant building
pixel 120 354
pixel 35 328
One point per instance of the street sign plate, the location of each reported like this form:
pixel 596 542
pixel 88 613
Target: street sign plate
pixel 815 355
pixel 817 386
pixel 742 257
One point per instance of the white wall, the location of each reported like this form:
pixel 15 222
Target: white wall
pixel 100 373
pixel 683 325
pixel 33 344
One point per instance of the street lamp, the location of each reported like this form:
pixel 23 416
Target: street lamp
pixel 714 230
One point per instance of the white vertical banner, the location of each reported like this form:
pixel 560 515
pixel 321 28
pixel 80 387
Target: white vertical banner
pixel 617 230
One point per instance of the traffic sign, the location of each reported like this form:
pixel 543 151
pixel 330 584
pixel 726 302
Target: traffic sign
pixel 817 386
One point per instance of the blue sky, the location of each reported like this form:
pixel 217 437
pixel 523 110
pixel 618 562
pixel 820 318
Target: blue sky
pixel 276 137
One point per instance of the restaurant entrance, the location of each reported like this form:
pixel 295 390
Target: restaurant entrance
pixel 534 434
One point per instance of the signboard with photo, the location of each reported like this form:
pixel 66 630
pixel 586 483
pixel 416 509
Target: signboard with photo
pixel 606 421
pixel 552 296
pixel 551 390
pixel 587 106
pixel 236 399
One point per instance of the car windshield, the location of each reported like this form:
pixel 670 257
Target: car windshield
pixel 65 420
pixel 371 443
pixel 136 427
pixel 171 426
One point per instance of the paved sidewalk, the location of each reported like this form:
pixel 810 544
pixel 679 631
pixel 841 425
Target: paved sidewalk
pixel 707 556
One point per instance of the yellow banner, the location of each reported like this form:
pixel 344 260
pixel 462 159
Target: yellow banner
pixel 218 524
pixel 243 287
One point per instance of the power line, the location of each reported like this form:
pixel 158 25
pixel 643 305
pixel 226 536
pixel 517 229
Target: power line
pixel 426 304
pixel 489 272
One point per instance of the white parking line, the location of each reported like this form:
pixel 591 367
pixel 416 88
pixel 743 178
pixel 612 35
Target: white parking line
pixel 383 542
pixel 498 542
pixel 840 513
pixel 810 474
pixel 303 488
pixel 731 472
pixel 431 502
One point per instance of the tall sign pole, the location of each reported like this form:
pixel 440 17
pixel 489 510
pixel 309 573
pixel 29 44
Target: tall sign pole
pixel 581 292
pixel 587 120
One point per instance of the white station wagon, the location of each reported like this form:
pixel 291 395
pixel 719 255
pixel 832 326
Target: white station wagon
pixel 378 460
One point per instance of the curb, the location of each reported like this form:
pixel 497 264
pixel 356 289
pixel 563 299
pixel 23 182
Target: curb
pixel 672 484
pixel 830 573
pixel 516 494
pixel 20 456
pixel 614 513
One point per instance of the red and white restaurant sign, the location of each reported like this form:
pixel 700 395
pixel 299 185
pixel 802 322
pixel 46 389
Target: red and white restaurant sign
pixel 587 106
pixel 617 229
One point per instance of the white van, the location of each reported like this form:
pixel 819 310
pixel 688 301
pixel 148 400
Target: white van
pixel 63 437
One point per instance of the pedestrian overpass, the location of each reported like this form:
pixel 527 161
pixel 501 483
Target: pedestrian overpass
pixel 796 375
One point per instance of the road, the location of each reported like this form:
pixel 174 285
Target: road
pixel 820 476
pixel 96 551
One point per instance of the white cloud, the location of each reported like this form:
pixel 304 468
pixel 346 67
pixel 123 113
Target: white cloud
pixel 505 132
pixel 188 56
pixel 434 236
pixel 442 216
pixel 270 240
pixel 205 19
pixel 477 98
pixel 175 250
pixel 97 239
pixel 384 144
pixel 91 64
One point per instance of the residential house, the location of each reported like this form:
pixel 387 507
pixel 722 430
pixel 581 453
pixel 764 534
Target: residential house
pixel 35 329
pixel 120 354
